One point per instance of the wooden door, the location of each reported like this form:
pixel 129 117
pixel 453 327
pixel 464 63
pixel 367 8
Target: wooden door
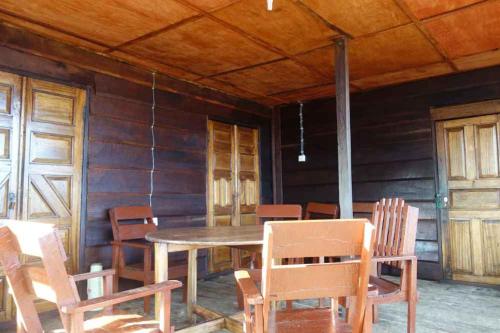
pixel 53 121
pixel 233 182
pixel 468 154
pixel 10 109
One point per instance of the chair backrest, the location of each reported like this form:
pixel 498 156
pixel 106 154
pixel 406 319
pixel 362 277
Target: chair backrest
pixel 129 231
pixel 325 210
pixel 278 212
pixel 317 238
pixel 396 228
pixel 363 210
pixel 48 280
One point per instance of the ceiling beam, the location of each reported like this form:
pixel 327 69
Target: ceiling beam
pixel 28 42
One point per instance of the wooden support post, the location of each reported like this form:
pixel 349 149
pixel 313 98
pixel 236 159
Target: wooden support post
pixel 343 127
pixel 277 166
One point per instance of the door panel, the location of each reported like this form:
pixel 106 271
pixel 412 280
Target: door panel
pixel 233 180
pixel 10 109
pixel 221 188
pixel 53 121
pixel 473 228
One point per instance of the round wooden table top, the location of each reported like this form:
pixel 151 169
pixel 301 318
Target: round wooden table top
pixel 210 236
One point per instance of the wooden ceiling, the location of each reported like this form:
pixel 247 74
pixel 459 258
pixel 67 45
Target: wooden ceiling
pixel 238 47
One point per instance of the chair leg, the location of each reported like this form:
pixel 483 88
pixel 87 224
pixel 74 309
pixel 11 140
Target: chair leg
pixel 184 290
pixel 368 322
pixel 375 313
pixel 412 316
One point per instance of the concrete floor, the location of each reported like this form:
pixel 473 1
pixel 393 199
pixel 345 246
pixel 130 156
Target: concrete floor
pixel 443 308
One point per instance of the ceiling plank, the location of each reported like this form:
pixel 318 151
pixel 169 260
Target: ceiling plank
pixel 250 37
pixel 22 40
pixel 359 17
pixel 404 7
pixel 423 9
pixel 468 31
pixel 109 22
pixel 287 26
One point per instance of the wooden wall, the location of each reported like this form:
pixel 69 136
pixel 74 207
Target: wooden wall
pixel 119 148
pixel 120 157
pixel 392 148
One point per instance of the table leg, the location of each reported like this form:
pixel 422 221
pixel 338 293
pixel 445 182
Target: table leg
pixel 192 283
pixel 161 274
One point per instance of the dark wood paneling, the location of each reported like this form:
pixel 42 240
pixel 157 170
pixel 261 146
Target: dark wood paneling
pixel 392 148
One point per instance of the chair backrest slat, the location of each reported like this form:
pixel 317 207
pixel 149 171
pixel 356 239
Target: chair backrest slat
pixel 263 212
pixel 317 238
pixel 18 281
pixel 48 280
pixel 326 210
pixel 130 231
pixel 395 227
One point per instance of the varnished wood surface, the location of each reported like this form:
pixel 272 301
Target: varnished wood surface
pixel 210 236
pixel 232 46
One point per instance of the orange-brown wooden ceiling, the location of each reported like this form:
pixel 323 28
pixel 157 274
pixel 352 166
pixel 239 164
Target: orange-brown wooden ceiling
pixel 286 55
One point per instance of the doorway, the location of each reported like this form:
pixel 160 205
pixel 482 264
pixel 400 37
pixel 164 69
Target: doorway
pixel 41 142
pixel 469 180
pixel 233 183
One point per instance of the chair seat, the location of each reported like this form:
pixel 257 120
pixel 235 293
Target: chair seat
pixel 307 321
pixel 384 287
pixel 120 321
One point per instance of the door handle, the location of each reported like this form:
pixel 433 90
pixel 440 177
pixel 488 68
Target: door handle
pixel 441 201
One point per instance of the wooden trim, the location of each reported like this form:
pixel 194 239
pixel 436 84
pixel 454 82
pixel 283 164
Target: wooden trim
pixel 343 127
pixel 25 41
pixel 277 158
pixel 84 183
pixel 442 187
pixel 466 110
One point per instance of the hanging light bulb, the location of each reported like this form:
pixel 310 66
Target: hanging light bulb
pixel 269 5
pixel 302 154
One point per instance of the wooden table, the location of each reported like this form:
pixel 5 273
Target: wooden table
pixel 249 237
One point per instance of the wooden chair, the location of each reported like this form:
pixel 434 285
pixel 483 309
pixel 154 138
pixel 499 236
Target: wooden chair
pixel 263 212
pixel 325 210
pixel 394 245
pixel 289 282
pixel 50 281
pixel 132 236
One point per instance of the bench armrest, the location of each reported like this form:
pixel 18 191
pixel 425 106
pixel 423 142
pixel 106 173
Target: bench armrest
pixel 248 287
pixel 395 258
pixel 132 244
pixel 91 275
pixel 121 297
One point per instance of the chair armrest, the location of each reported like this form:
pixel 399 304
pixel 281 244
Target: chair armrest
pixel 132 244
pixel 395 258
pixel 247 285
pixel 121 297
pixel 91 275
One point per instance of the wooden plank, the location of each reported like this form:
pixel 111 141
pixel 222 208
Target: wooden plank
pixel 24 41
pixel 343 127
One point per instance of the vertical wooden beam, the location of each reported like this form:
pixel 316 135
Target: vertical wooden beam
pixel 343 126
pixel 277 163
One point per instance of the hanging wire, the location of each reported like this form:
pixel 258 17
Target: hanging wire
pixel 301 127
pixel 153 107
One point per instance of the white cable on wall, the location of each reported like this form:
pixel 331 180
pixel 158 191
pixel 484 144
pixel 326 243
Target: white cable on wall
pixel 153 107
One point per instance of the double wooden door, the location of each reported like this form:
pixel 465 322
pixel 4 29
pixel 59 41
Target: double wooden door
pixel 41 129
pixel 233 182
pixel 469 171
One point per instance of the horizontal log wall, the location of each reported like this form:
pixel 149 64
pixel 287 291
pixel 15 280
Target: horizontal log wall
pixel 119 148
pixel 120 157
pixel 392 148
